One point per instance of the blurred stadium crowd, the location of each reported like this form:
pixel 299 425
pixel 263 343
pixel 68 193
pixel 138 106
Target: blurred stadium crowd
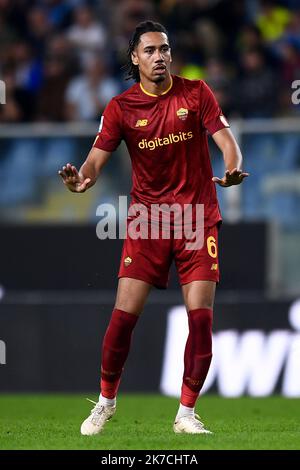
pixel 61 62
pixel 61 59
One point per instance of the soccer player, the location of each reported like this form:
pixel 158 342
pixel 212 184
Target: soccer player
pixel 164 121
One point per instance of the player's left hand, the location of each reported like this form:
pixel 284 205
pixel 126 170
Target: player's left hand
pixel 230 178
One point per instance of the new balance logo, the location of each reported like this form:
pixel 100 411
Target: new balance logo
pixel 214 267
pixel 141 122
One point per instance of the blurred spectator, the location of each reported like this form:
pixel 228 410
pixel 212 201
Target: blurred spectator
pixel 180 17
pixel 19 104
pixel 125 15
pixel 86 35
pixel 256 91
pixel 40 38
pixel 250 37
pixel 88 94
pixel 178 62
pixel 290 71
pixel 292 32
pixel 185 19
pixel 60 60
pixel 15 13
pixel 208 38
pixel 192 72
pixel 59 12
pixel 272 20
pixel 290 68
pixel 219 78
pixel 61 48
pixel 28 70
pixel 11 112
pixel 7 36
pixel 39 30
pixel 51 105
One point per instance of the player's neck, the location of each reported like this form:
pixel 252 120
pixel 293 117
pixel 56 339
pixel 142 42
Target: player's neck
pixel 156 89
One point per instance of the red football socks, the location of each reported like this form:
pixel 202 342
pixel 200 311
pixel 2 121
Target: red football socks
pixel 197 355
pixel 115 349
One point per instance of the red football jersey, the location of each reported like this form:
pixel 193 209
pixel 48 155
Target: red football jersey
pixel 166 137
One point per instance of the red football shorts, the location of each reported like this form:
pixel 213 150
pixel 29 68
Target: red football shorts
pixel 150 259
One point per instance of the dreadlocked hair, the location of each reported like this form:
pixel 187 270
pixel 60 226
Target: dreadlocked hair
pixel 131 70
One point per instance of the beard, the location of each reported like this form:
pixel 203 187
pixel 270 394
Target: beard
pixel 159 79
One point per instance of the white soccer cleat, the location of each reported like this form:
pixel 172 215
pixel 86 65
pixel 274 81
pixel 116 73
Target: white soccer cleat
pixel 190 425
pixel 97 419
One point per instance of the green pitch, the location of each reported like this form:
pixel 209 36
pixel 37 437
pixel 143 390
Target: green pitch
pixel 145 422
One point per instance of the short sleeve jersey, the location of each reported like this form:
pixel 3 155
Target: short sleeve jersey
pixel 166 136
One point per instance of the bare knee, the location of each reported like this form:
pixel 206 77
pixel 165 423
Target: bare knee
pixel 199 294
pixel 205 303
pixel 128 307
pixel 132 295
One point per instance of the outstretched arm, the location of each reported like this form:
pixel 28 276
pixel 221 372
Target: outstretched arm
pixel 232 158
pixel 79 181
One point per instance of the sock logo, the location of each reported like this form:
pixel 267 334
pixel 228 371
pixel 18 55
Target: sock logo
pixel 194 382
pixel 170 139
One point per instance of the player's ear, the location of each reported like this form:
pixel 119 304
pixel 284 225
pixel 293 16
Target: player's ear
pixel 134 58
pixel 170 56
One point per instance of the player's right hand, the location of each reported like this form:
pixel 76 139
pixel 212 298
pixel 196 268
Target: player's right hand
pixel 73 180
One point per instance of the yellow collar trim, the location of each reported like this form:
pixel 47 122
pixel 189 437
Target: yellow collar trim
pixel 152 94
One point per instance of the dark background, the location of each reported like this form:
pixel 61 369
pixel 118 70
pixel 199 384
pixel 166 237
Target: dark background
pixel 72 257
pixel 58 293
pixel 55 344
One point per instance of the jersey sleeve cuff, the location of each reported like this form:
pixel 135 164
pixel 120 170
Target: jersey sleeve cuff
pixel 217 124
pixel 107 146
